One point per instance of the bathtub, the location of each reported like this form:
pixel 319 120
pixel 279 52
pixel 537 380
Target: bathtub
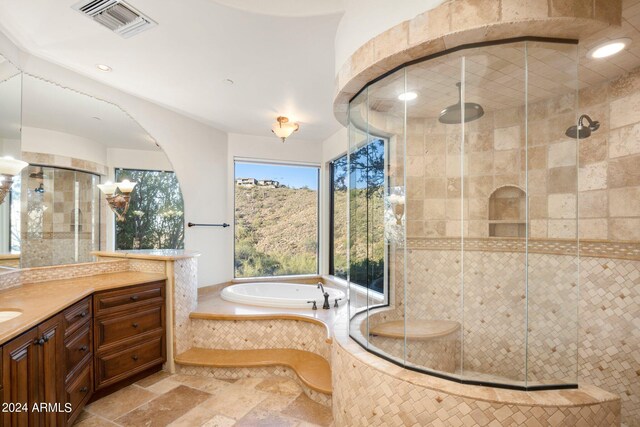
pixel 276 294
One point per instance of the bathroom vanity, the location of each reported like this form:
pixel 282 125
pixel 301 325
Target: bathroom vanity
pixel 78 339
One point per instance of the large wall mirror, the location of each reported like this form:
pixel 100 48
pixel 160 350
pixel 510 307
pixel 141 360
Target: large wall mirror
pixel 72 144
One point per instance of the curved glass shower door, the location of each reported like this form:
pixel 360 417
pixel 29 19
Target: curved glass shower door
pixel 477 206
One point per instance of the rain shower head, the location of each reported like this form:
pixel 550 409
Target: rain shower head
pixel 38 175
pixel 581 131
pixel 453 113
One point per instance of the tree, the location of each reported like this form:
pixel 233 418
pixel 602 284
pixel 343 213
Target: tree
pixel 155 219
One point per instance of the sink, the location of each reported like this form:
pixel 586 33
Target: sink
pixel 8 315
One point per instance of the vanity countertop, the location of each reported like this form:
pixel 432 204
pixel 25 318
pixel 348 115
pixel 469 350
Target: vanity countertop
pixel 41 300
pixel 151 254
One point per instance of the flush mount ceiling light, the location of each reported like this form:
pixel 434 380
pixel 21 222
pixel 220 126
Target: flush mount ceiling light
pixel 9 167
pixel 283 129
pixel 103 67
pixel 407 96
pixel 608 48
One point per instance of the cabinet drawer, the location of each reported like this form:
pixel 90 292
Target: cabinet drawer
pixel 79 391
pixel 110 330
pixel 76 316
pixel 128 298
pixel 119 365
pixel 77 349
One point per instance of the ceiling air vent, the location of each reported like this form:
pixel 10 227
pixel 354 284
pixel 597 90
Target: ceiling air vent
pixel 116 15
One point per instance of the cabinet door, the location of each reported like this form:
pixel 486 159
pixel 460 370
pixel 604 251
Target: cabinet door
pixel 51 372
pixel 19 379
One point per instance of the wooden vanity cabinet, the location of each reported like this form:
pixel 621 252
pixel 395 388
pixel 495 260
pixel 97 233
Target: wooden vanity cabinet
pixel 129 332
pixel 75 353
pixel 33 374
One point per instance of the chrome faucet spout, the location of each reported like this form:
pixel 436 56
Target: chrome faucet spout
pixel 319 286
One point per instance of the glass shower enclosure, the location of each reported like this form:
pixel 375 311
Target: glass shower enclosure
pixel 55 216
pixel 463 193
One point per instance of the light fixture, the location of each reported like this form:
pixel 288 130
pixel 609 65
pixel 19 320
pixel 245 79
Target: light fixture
pixel 407 96
pixel 9 167
pixel 608 48
pixel 118 202
pixel 228 82
pixel 283 129
pixel 103 67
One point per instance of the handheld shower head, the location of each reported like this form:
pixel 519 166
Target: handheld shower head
pixel 581 131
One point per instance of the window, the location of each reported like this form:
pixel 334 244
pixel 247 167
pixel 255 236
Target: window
pixel 276 219
pixel 338 227
pixel 155 219
pixel 366 203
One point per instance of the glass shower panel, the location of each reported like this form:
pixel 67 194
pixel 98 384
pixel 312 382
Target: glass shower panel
pixel 493 208
pixel 358 302
pixel 480 201
pixel 60 221
pixel 433 269
pixel 382 162
pixel 553 275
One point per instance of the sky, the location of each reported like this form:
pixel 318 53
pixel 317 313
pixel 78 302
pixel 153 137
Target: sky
pixel 291 176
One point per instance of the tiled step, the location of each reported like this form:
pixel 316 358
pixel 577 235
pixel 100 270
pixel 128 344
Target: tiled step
pixel 313 370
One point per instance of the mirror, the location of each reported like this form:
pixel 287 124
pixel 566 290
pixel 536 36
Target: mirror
pixel 55 212
pixel 10 123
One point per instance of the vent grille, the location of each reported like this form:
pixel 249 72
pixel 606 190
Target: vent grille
pixel 116 15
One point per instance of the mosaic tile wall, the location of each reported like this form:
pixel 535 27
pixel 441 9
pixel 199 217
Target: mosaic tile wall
pixel 381 399
pixel 185 300
pixel 608 300
pixel 39 274
pixel 255 334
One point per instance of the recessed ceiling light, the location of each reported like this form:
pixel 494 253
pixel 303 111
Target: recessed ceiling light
pixel 96 118
pixel 407 96
pixel 608 48
pixel 103 67
pixel 228 82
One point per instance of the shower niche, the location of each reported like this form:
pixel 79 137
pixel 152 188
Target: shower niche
pixel 479 180
pixel 508 212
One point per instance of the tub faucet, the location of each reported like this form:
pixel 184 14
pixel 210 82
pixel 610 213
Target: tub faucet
pixel 325 294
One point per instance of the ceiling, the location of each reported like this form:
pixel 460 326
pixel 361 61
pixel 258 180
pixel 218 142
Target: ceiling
pixel 48 106
pixel 280 56
pixel 287 7
pixel 281 61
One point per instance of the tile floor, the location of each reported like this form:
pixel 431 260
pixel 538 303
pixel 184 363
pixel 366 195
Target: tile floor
pixel 183 400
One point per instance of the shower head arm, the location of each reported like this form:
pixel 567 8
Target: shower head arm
pixel 593 124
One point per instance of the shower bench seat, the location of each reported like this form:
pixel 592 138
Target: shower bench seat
pixel 313 370
pixel 415 329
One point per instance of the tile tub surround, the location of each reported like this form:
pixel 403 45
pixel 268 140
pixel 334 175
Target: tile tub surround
pixel 458 22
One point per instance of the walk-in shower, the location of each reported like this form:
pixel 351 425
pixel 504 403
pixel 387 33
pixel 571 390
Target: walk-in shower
pixel 463 215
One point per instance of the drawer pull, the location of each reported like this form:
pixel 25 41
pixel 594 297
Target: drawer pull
pixel 135 357
pixel 134 298
pixel 83 348
pixel 83 314
pixel 135 325
pixel 39 341
pixel 84 389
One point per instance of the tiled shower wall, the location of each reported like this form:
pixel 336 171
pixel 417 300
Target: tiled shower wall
pixel 600 173
pixel 495 310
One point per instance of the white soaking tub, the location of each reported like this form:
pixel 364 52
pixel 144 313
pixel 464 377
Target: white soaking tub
pixel 283 295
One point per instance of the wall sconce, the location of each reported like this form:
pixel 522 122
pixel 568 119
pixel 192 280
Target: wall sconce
pixel 118 202
pixel 9 167
pixel 283 129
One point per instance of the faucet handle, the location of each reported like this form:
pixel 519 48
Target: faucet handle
pixel 314 306
pixel 335 304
